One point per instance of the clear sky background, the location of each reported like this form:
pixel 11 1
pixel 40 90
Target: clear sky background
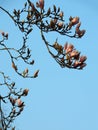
pixel 59 99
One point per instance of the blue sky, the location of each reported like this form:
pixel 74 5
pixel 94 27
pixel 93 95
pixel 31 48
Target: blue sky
pixel 59 99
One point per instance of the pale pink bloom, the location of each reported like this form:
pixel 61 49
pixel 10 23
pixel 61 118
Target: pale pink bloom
pixel 74 53
pixel 75 20
pixel 76 64
pixel 19 103
pixel 69 48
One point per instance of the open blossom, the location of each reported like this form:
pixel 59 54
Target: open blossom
pixel 74 53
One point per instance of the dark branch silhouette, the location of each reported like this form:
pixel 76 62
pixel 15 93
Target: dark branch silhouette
pixel 50 20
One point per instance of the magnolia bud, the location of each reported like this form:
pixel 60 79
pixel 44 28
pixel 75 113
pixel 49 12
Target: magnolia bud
pixel 32 6
pixel 65 46
pixel 2 33
pixel 82 65
pixel 25 92
pixel 14 66
pixel 82 32
pixel 36 74
pixel 70 18
pixel 60 25
pixel 49 11
pixel 52 24
pixel 12 100
pixel 55 21
pixel 41 4
pixel 6 35
pixel 32 62
pixel 20 103
pixel 75 20
pixel 26 70
pixel 83 59
pixel 54 7
pixel 69 48
pixel 61 14
pixel 56 45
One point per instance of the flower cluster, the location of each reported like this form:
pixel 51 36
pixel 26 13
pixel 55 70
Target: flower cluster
pixel 50 20
pixel 13 97
pixel 73 57
pixel 68 56
pixel 46 20
pixel 75 21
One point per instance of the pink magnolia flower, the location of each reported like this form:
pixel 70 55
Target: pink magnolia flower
pixel 20 103
pixel 75 20
pixel 69 48
pixel 76 64
pixel 74 53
